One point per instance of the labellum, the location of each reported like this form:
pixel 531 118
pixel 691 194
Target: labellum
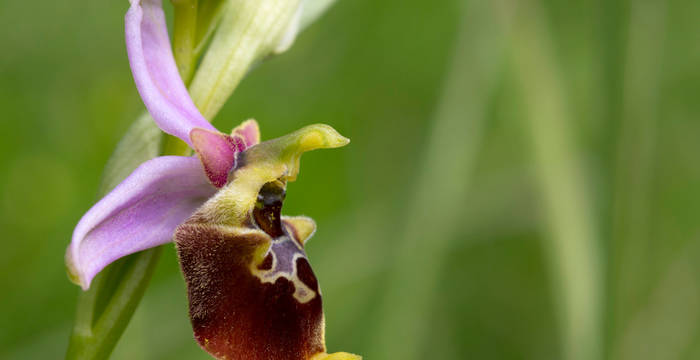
pixel 251 290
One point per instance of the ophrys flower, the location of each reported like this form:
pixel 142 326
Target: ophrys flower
pixel 252 292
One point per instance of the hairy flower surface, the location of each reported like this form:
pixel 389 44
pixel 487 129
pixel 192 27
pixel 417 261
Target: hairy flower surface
pixel 252 293
pixel 251 289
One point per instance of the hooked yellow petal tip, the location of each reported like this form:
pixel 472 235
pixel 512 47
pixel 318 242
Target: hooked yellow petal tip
pixel 282 154
pixel 320 136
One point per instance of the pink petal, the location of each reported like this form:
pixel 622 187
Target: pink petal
pixel 141 212
pixel 155 72
pixel 217 152
pixel 249 131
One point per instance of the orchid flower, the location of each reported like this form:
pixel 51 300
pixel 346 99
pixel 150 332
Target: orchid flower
pixel 251 291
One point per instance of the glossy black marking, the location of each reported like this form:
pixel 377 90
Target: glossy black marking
pixel 268 208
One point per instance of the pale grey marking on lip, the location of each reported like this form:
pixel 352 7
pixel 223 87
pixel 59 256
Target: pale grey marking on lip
pixel 285 251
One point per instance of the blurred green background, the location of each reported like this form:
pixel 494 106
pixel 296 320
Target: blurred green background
pixel 523 179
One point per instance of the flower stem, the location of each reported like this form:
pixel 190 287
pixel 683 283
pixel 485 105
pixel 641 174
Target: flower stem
pixel 105 310
pixel 248 32
pixel 185 37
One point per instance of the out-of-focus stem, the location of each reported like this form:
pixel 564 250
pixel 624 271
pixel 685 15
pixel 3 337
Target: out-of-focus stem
pixel 313 9
pixel 634 164
pixel 573 245
pixel 434 216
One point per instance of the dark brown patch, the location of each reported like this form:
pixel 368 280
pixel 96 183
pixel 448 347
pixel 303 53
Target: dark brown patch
pixel 233 314
pixel 306 275
pixel 267 263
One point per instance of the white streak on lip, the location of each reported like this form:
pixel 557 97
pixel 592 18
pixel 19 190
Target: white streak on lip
pixel 283 244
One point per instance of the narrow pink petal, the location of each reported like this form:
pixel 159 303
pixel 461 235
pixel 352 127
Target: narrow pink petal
pixel 155 72
pixel 217 152
pixel 249 131
pixel 141 212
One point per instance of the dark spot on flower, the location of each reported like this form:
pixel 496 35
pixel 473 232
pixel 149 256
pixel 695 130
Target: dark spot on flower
pixel 268 208
pixel 267 263
pixel 241 161
pixel 306 275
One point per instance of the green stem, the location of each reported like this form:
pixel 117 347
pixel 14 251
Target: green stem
pixel 104 313
pixel 248 32
pixel 185 37
pixel 208 15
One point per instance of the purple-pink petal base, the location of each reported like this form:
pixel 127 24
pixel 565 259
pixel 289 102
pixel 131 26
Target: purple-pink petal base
pixel 249 131
pixel 218 153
